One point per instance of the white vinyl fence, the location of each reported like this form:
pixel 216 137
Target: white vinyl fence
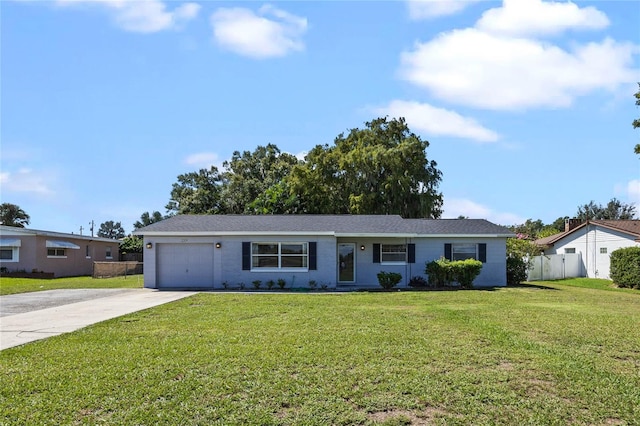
pixel 556 267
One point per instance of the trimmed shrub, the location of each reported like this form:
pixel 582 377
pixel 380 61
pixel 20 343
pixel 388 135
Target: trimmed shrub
pixel 270 284
pixel 439 273
pixel 388 280
pixel 418 282
pixel 443 272
pixel 625 267
pixel 516 270
pixel 282 283
pixel 256 284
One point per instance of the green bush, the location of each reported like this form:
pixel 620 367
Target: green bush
pixel 517 269
pixel 625 267
pixel 282 283
pixel 388 280
pixel 256 284
pixel 443 272
pixel 418 282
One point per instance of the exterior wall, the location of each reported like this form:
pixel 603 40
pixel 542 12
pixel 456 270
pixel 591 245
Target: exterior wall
pixel 589 241
pixel 494 270
pixel 33 255
pixel 227 261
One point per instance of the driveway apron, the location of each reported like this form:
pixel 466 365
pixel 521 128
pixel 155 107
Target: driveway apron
pixel 33 316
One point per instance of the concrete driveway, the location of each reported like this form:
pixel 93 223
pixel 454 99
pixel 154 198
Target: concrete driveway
pixel 33 316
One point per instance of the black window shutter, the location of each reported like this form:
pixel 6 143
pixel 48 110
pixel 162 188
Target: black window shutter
pixel 313 264
pixel 411 253
pixel 447 251
pixel 246 256
pixel 376 253
pixel 482 252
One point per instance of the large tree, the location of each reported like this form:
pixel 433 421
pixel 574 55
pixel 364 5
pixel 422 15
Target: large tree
pixel 13 215
pixel 381 169
pixel 614 210
pixel 147 219
pixel 253 181
pixel 111 229
pixel 636 122
pixel 197 193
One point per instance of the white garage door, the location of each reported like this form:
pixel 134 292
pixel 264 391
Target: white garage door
pixel 185 265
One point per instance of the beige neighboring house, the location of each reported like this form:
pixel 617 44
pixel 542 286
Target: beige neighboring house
pixel 593 240
pixel 64 255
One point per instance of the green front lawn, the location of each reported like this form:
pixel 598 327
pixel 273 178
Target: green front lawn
pixel 545 354
pixel 24 285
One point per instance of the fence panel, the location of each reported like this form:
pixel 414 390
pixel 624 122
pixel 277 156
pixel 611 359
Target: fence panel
pixel 116 269
pixel 555 267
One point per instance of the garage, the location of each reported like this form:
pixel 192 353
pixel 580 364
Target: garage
pixel 185 265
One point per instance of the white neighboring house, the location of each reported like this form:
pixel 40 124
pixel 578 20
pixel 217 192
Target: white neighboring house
pixel 594 240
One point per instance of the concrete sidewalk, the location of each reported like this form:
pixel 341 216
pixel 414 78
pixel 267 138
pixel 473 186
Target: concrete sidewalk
pixel 24 327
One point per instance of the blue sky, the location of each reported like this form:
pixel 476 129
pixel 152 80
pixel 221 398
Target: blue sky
pixel 527 105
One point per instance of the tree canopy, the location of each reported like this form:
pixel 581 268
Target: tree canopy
pixel 381 169
pixel 111 229
pixel 614 210
pixel 13 215
pixel 147 219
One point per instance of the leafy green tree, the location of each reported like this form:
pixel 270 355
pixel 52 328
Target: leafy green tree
pixel 614 210
pixel 197 193
pixel 13 215
pixel 520 252
pixel 111 229
pixel 253 181
pixel 381 169
pixel 558 224
pixel 147 219
pixel 636 122
pixel 131 244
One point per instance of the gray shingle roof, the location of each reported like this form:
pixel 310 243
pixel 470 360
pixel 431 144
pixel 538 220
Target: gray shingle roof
pixel 321 224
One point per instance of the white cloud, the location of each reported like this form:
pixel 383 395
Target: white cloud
pixel 527 17
pixel 143 16
pixel 203 160
pixel 427 9
pixel 431 120
pixel 269 33
pixel 478 69
pixel 26 181
pixel 633 191
pixel 455 207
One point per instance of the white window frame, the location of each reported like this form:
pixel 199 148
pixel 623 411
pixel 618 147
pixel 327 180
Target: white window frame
pixel 15 255
pixel 280 255
pixel 570 250
pixel 462 251
pixel 603 250
pixel 56 254
pixel 386 251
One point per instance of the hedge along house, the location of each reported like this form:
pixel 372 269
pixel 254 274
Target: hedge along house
pixel 336 251
pixel 64 255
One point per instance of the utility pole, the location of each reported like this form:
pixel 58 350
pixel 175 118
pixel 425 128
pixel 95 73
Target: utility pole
pixel 81 228
pixel 91 223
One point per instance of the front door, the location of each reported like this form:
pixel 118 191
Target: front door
pixel 346 262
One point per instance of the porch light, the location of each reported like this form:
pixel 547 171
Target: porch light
pixel 149 245
pixel 362 247
pixel 218 245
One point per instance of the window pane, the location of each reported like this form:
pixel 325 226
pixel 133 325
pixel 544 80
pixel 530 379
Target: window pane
pixel 265 261
pixel 265 249
pixel 294 261
pixel 463 251
pixel 393 253
pixel 293 248
pixel 6 254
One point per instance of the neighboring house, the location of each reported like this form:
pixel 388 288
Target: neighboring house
pixel 594 240
pixel 64 255
pixel 345 251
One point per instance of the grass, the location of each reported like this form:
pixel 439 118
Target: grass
pixel 24 285
pixel 545 354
